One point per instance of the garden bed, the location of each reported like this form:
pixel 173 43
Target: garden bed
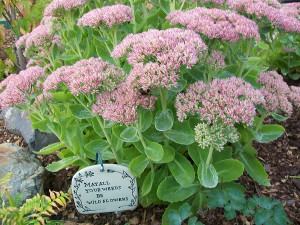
pixel 280 158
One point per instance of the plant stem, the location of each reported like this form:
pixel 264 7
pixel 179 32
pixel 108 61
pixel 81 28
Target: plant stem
pixel 260 122
pixel 182 4
pixel 108 139
pixel 241 69
pixel 141 136
pixel 163 92
pixel 133 20
pixel 209 155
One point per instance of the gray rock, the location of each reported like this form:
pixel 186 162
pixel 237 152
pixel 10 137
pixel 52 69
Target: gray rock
pixel 18 122
pixel 28 173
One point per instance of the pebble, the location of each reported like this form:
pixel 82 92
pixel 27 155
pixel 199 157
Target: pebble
pixel 267 167
pixel 291 202
pixel 294 171
pixel 297 183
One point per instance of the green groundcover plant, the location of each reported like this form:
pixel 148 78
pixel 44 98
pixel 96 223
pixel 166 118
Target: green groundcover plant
pixel 176 90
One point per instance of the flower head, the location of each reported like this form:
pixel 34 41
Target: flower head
pixel 17 86
pixel 291 9
pixel 121 104
pixel 230 100
pixel 86 76
pixel 156 55
pixel 276 92
pixel 107 16
pixel 216 135
pixel 216 59
pixel 216 23
pixel 294 96
pixel 62 4
pixel 268 8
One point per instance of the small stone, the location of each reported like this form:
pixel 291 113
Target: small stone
pixel 134 220
pixel 291 202
pixel 267 167
pixel 294 171
pixel 297 183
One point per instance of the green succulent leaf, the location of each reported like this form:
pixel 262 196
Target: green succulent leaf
pixel 171 191
pixel 207 175
pixel 164 120
pixel 229 170
pixel 182 170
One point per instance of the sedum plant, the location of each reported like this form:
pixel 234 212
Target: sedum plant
pixel 35 210
pixel 178 91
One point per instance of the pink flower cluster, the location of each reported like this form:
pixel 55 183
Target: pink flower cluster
pixel 47 96
pixel 86 76
pixel 62 4
pixel 276 93
pixel 17 86
pixel 40 36
pixel 216 60
pixel 232 100
pixel 22 40
pixel 294 95
pixel 216 23
pixel 121 104
pixel 156 55
pixel 291 9
pixel 107 16
pixel 268 8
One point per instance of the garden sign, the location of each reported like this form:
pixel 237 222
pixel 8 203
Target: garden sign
pixel 110 188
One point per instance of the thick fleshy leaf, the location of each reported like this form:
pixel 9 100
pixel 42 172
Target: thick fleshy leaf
pixel 169 154
pixel 181 133
pixel 59 165
pixel 154 135
pixel 278 117
pixel 182 170
pixel 148 182
pixel 197 153
pixel 97 145
pixel 226 153
pixel 118 132
pixel 254 168
pixel 229 170
pixel 50 148
pixel 97 128
pixel 138 165
pixel 268 133
pixel 207 175
pixel 80 112
pixel 164 120
pixel 129 134
pixel 154 150
pixel 169 190
pixel 144 119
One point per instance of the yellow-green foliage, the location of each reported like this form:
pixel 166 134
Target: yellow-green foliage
pixel 34 211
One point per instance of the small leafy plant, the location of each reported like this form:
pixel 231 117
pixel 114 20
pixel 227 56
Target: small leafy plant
pixel 177 217
pixel 264 210
pixel 35 210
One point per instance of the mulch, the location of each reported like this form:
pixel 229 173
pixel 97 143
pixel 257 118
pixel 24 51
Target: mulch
pixel 280 159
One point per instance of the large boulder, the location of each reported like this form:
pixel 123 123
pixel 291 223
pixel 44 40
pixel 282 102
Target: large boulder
pixel 28 173
pixel 18 122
